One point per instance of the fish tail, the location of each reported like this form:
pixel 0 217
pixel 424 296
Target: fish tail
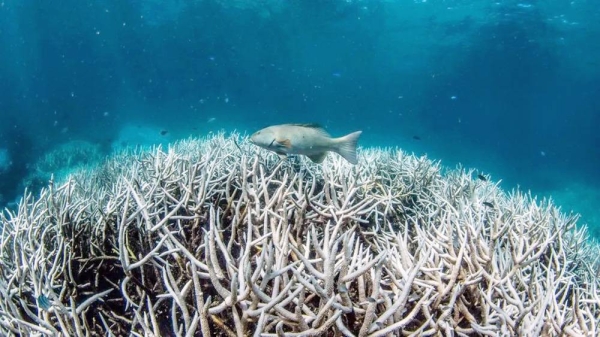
pixel 346 146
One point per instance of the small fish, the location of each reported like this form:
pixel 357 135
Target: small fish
pixel 44 302
pixel 310 140
pixel 481 177
pixel 416 138
pixel 488 204
pixel 163 132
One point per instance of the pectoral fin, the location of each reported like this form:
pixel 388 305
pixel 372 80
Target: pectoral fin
pixel 284 143
pixel 318 158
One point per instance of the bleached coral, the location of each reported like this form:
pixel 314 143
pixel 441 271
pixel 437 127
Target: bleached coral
pixel 208 238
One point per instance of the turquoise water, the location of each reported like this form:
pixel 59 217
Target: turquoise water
pixel 509 87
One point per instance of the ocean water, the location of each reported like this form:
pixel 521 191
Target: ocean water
pixel 511 88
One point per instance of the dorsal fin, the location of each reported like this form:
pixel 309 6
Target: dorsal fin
pixel 309 125
pixel 314 126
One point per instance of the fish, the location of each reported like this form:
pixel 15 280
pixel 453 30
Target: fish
pixel 44 302
pixel 310 140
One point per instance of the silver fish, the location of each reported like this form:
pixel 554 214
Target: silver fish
pixel 310 140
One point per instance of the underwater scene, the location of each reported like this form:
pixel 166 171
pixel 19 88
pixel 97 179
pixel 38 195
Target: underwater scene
pixel 299 168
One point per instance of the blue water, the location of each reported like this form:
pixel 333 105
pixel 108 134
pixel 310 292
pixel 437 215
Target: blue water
pixel 511 88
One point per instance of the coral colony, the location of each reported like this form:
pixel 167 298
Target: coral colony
pixel 212 238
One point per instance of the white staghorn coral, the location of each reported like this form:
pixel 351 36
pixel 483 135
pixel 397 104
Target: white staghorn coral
pixel 209 238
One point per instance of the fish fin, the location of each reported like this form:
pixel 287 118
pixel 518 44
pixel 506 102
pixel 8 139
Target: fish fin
pixel 284 142
pixel 309 125
pixel 315 126
pixel 346 146
pixel 318 158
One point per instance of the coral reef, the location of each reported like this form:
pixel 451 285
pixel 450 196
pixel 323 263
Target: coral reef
pixel 213 238
pixel 59 162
